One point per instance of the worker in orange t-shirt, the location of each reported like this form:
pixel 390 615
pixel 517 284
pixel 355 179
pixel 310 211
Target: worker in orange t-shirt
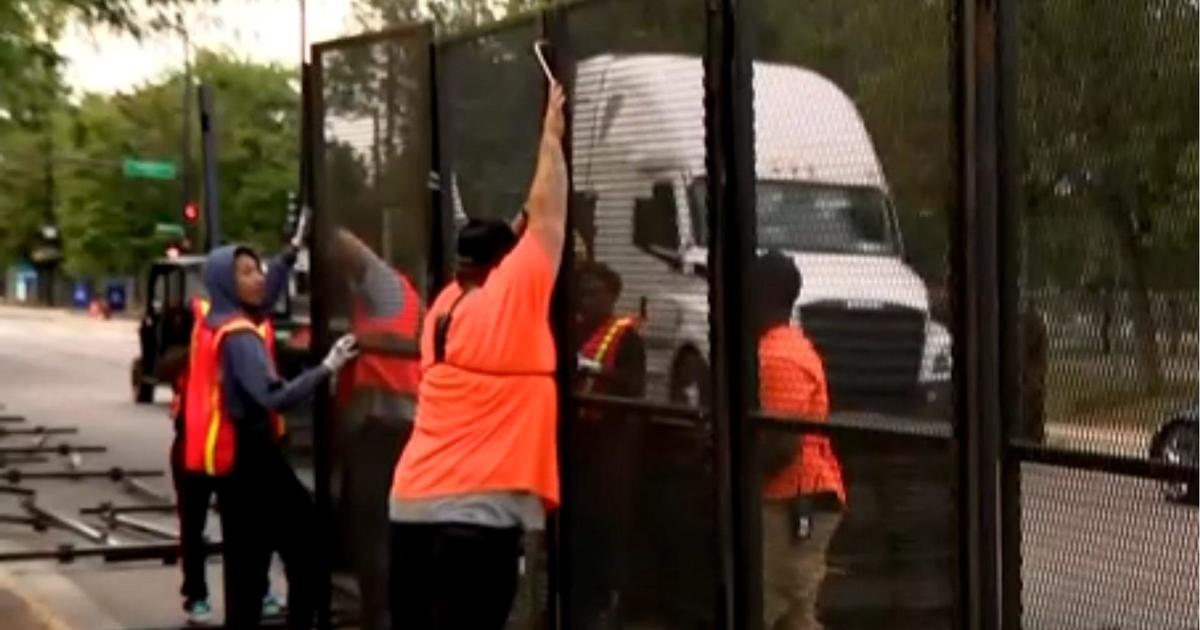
pixel 804 495
pixel 481 466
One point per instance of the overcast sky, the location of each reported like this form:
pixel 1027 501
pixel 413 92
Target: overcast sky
pixel 260 30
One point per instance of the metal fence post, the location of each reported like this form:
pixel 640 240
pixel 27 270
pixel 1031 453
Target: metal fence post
pixel 555 30
pixel 729 122
pixel 1011 341
pixel 975 265
pixel 320 314
pixel 442 224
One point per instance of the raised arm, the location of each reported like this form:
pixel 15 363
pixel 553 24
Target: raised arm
pixel 547 202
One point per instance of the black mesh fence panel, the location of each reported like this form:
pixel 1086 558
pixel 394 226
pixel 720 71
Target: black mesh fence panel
pixel 1105 552
pixel 639 537
pixel 490 104
pixel 490 101
pixel 854 186
pixel 1107 121
pixel 375 237
pixel 1107 223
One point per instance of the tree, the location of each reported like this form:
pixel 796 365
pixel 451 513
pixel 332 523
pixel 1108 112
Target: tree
pixel 32 95
pixel 1108 118
pixel 108 220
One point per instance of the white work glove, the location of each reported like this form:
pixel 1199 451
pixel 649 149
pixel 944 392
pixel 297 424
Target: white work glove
pixel 301 235
pixel 340 354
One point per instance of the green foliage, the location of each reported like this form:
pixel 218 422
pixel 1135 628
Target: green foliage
pixel 1108 136
pixel 107 220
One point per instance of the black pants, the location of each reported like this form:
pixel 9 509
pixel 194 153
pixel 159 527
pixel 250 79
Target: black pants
pixel 264 507
pixel 368 459
pixel 193 495
pixel 447 576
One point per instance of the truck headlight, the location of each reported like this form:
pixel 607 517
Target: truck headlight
pixel 937 362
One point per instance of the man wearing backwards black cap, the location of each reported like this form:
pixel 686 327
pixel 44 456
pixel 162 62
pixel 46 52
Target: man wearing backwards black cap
pixel 481 467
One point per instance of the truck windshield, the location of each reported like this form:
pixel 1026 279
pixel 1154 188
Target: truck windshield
pixel 808 217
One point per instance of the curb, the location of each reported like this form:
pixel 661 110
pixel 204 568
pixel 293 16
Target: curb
pixel 39 614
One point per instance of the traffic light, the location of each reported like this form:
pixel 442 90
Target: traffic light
pixel 190 212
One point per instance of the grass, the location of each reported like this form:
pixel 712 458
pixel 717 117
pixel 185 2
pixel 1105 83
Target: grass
pixel 1105 390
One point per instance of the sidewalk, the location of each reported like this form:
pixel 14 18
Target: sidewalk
pixel 31 311
pixel 1126 441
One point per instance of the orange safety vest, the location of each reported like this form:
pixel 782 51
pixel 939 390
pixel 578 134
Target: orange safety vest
pixel 209 434
pixel 390 373
pixel 602 346
pixel 792 383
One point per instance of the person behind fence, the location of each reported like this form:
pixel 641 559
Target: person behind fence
pixel 804 496
pixel 376 397
pixel 194 488
pixel 611 362
pixel 234 397
pixel 482 464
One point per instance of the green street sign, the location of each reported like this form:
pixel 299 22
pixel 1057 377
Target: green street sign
pixel 168 229
pixel 149 169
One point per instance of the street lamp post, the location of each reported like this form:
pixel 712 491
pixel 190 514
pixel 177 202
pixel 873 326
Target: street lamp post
pixel 185 185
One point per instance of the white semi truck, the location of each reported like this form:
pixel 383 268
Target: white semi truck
pixel 639 173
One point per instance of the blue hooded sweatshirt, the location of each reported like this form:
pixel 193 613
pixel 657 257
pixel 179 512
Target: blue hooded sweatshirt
pixel 250 384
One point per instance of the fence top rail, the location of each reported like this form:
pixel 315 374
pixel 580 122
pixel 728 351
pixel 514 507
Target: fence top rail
pixel 372 37
pixel 512 22
pixel 1098 462
pixel 851 424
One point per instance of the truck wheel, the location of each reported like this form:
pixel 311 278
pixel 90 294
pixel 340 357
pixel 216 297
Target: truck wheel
pixel 690 380
pixel 143 393
pixel 1178 445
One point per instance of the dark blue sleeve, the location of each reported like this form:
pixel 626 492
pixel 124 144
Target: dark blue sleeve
pixel 244 360
pixel 279 269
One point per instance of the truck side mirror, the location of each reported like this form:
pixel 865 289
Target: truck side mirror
pixel 655 229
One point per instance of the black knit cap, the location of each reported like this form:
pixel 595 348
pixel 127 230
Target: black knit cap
pixel 483 243
pixel 779 280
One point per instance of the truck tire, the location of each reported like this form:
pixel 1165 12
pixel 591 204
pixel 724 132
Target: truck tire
pixel 143 392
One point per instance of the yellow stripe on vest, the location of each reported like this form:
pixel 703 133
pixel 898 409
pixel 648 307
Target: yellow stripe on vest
pixel 611 334
pixel 613 330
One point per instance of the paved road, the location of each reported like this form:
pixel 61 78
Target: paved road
pixel 1101 553
pixel 65 370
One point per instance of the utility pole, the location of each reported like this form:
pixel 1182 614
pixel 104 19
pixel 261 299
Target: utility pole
pixel 185 178
pixel 208 140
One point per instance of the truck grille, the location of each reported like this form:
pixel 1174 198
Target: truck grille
pixel 871 353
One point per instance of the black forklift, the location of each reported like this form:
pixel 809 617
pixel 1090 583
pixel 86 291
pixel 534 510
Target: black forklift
pixel 166 325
